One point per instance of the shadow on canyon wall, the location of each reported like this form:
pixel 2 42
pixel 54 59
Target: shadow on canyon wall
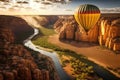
pixel 105 32
pixel 16 61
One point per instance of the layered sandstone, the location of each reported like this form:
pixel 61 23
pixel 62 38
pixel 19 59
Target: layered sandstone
pixel 105 32
pixel 69 29
pixel 38 21
pixel 16 62
pixel 109 32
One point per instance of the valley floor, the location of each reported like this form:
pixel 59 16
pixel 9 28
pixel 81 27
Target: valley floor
pixel 95 53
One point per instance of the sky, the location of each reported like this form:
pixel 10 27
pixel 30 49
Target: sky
pixel 106 6
pixel 55 8
pixel 100 3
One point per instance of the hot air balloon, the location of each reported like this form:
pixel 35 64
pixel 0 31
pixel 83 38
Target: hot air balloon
pixel 87 15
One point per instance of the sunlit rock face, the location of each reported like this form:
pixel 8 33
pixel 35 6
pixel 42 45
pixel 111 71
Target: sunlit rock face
pixel 69 29
pixel 105 32
pixel 38 21
pixel 109 32
pixel 46 20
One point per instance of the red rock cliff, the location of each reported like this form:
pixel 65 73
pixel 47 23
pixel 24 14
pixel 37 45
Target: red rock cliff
pixel 105 32
pixel 16 62
pixel 69 29
pixel 109 32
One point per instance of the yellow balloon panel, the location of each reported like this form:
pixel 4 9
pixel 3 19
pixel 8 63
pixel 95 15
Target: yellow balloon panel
pixel 87 21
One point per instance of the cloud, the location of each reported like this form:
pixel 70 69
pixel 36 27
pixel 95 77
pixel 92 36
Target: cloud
pixel 110 10
pixel 49 7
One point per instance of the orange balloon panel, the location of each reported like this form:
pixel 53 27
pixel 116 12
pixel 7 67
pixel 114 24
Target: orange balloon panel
pixel 87 16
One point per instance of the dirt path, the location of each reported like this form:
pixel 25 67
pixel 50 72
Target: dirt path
pixel 101 56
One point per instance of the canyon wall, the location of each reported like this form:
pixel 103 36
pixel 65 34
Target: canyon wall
pixel 17 62
pixel 40 21
pixel 105 32
pixel 109 32
pixel 19 27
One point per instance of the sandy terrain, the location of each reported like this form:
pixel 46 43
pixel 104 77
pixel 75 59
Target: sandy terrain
pixel 101 56
pixel 69 71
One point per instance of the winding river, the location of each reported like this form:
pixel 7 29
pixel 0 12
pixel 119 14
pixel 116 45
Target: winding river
pixel 106 75
pixel 53 55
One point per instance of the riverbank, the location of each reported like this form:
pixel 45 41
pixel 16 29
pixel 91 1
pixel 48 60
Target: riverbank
pixel 103 57
pixel 57 66
pixel 101 71
pixel 42 42
pixel 20 63
pixel 106 75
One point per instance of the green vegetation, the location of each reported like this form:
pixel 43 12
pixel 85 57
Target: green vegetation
pixel 81 70
pixel 42 37
pixel 46 31
pixel 79 63
pixel 42 40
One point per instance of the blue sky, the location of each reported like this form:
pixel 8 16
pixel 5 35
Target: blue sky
pixel 99 3
pixel 105 5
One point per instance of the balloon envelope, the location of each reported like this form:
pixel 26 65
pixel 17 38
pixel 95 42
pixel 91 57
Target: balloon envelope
pixel 87 15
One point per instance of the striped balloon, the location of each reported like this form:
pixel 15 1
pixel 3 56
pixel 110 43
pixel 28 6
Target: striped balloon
pixel 87 15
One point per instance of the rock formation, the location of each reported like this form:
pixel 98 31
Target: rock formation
pixel 105 32
pixel 69 29
pixel 109 32
pixel 16 62
pixel 19 27
pixel 38 21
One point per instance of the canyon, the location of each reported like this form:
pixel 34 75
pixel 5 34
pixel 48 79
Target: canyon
pixel 105 32
pixel 18 62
